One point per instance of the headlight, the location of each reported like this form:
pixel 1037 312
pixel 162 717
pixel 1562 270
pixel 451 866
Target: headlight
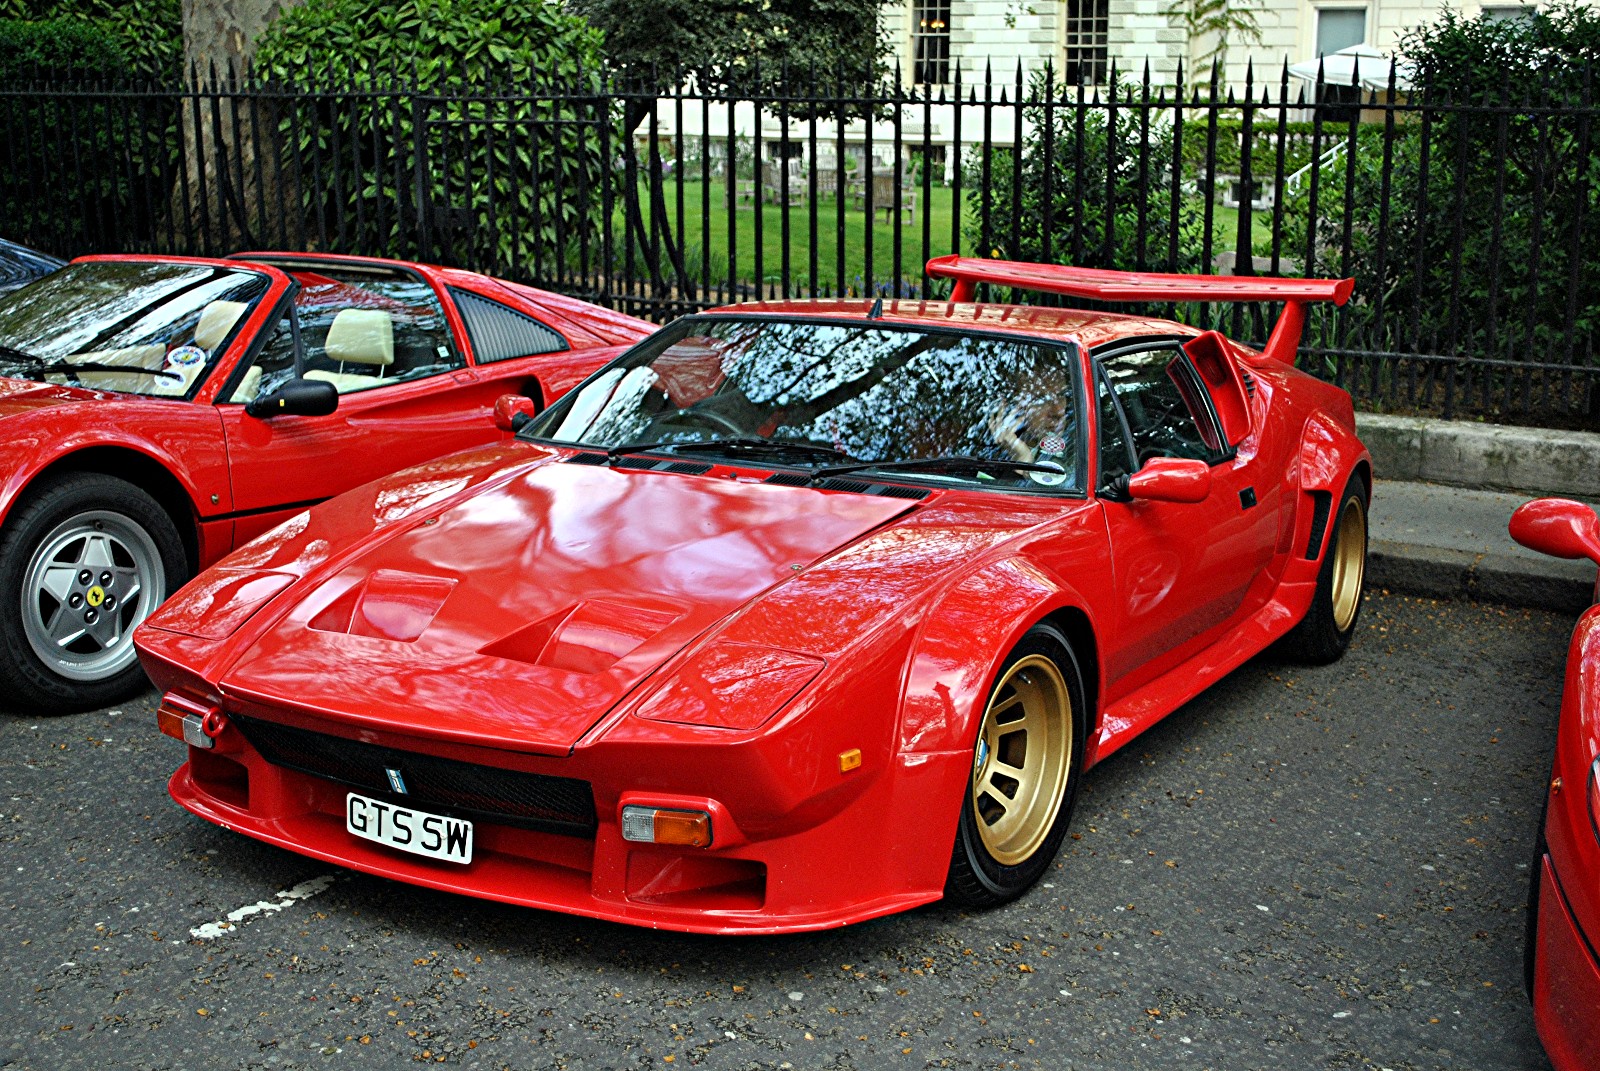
pixel 732 686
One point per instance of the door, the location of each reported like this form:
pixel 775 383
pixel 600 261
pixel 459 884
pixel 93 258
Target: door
pixel 379 334
pixel 1183 571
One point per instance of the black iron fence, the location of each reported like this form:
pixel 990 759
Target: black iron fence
pixel 1466 224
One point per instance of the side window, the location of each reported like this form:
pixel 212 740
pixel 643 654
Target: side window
pixel 364 327
pixel 1116 457
pixel 1162 399
pixel 499 333
pixel 272 368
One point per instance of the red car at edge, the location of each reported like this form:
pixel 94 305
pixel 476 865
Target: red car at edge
pixel 794 615
pixel 158 412
pixel 1562 970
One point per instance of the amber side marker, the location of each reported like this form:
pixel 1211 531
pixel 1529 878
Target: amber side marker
pixel 849 760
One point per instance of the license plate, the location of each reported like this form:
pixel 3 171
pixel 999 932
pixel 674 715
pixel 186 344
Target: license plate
pixel 417 832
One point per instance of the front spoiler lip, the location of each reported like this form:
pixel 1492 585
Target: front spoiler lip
pixel 578 899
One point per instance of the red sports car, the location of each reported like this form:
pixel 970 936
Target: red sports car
pixel 1563 973
pixel 159 412
pixel 793 615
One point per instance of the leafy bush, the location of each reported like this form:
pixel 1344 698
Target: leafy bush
pixel 147 35
pixel 1105 206
pixel 1482 247
pixel 510 180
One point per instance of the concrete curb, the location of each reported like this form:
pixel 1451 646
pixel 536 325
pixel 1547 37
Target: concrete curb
pixel 1531 461
pixel 1442 573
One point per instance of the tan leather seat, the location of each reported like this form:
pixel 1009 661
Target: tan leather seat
pixel 146 357
pixel 363 337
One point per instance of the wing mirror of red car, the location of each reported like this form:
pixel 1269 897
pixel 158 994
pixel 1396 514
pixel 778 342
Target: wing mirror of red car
pixel 1559 527
pixel 298 397
pixel 513 411
pixel 1171 479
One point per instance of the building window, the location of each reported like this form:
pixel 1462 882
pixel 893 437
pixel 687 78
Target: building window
pixel 1088 59
pixel 930 42
pixel 1509 12
pixel 1340 27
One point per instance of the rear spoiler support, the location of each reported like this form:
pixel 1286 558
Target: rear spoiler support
pixel 1101 285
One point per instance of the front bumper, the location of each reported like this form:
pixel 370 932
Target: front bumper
pixel 1566 981
pixel 830 866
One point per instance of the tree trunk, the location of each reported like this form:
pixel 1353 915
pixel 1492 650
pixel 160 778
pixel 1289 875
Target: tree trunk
pixel 227 192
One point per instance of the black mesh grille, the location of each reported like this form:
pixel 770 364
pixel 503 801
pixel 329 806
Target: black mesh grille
pixel 834 483
pixel 587 459
pixel 691 468
pixel 789 479
pixel 891 491
pixel 538 801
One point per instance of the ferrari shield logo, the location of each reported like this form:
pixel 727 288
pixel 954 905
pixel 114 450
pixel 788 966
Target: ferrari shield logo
pixel 95 596
pixel 396 781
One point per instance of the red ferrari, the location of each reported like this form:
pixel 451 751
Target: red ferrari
pixel 159 412
pixel 1562 971
pixel 793 615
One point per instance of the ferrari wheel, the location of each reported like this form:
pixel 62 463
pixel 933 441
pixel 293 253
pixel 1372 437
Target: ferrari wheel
pixel 82 562
pixel 1024 777
pixel 1325 632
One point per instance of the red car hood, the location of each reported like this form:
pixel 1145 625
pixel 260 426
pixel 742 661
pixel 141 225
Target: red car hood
pixel 519 616
pixel 22 396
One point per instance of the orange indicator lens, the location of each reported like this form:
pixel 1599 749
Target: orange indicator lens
pixel 650 825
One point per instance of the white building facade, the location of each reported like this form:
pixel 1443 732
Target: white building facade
pixel 1082 38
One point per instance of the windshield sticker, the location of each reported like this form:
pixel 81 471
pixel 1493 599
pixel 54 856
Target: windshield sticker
pixel 186 356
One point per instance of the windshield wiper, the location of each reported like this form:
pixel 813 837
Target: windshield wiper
pixel 744 444
pixel 946 463
pixel 11 353
pixel 68 368
pixel 44 366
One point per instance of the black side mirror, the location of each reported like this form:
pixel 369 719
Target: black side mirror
pixel 298 397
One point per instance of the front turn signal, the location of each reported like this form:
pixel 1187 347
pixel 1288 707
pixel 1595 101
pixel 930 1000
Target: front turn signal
pixel 196 724
pixel 653 825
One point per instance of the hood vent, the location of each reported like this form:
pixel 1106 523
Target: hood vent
pixel 693 468
pixel 834 483
pixel 587 459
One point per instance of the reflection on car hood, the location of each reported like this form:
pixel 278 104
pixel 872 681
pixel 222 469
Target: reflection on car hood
pixel 25 395
pixel 521 614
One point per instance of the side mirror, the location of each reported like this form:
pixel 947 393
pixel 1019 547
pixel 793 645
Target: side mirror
pixel 1171 479
pixel 513 411
pixel 1559 527
pixel 298 397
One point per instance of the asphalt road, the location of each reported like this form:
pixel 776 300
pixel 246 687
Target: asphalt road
pixel 1305 868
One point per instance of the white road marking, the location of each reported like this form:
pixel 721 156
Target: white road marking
pixel 287 898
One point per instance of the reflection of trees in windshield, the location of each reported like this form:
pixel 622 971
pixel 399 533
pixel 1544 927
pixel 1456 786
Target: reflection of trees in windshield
pixel 128 314
pixel 876 392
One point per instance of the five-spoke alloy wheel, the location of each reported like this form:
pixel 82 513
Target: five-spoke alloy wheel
pixel 83 560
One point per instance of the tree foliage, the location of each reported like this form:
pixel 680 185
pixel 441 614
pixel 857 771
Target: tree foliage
pixel 148 33
pixel 1470 228
pixel 753 46
pixel 505 177
pixel 1102 182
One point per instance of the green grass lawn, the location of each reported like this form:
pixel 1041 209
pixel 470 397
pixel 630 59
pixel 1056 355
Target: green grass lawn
pixel 724 228
pixel 713 234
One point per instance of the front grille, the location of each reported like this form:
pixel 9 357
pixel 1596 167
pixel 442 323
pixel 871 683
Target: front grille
pixel 535 801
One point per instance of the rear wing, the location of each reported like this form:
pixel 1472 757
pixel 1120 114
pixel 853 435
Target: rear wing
pixel 1102 285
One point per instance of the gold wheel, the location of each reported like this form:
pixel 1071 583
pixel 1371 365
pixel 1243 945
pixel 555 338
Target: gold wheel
pixel 1022 760
pixel 1349 562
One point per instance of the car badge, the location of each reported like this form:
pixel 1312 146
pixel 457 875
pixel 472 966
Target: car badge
pixel 396 781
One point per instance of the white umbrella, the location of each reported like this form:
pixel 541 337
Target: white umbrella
pixel 1358 65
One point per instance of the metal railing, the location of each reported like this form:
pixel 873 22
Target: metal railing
pixel 1465 222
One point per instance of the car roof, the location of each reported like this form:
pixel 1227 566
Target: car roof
pixel 1087 327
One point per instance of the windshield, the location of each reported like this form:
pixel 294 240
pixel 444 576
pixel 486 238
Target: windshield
pixel 132 327
pixel 838 394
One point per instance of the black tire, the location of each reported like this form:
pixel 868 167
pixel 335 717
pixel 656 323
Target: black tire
pixel 983 873
pixel 1323 635
pixel 1530 936
pixel 68 528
